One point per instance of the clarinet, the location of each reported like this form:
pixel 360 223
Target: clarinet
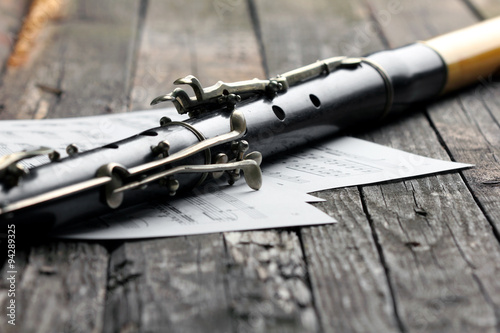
pixel 230 128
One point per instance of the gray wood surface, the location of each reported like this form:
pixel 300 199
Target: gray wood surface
pixel 457 245
pixel 11 13
pixel 249 302
pixel 419 255
pixel 346 272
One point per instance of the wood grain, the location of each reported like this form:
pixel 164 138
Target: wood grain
pixel 267 283
pixel 88 55
pixel 62 285
pixel 189 289
pixel 11 13
pixel 426 228
pixel 484 8
pixel 214 41
pixel 439 246
pixel 418 316
pixel 174 284
pixel 418 255
pixel 348 279
pixel 299 33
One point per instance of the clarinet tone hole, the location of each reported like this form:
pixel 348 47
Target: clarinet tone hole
pixel 315 100
pixel 111 145
pixel 149 133
pixel 280 114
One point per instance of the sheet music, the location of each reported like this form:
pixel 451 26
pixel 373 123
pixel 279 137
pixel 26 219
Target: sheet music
pixel 281 202
pixel 86 132
pixel 349 161
pixel 215 209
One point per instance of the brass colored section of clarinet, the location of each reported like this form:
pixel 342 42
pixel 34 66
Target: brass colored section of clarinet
pixel 469 53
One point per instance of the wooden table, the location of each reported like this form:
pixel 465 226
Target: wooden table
pixel 419 255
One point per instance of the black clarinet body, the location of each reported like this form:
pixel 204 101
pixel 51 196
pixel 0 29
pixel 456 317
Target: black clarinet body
pixel 224 133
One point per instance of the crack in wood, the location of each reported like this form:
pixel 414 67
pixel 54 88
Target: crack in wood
pixel 379 30
pixel 268 278
pixel 134 59
pixel 153 286
pixel 465 180
pixel 308 279
pixel 383 261
pixel 475 10
pixel 475 121
pixel 494 182
pixel 257 28
pixel 487 298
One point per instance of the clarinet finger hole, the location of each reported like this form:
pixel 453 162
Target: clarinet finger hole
pixel 111 146
pixel 149 133
pixel 280 114
pixel 315 100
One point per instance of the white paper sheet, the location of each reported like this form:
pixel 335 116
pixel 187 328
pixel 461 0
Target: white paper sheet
pixel 85 132
pixel 349 161
pixel 280 203
pixel 229 208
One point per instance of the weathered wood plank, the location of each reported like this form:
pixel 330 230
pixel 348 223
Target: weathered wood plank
pixel 11 13
pixel 439 247
pixel 419 19
pixel 164 54
pixel 88 55
pixel 469 125
pixel 214 41
pixel 174 284
pixel 267 276
pixel 485 8
pixel 267 283
pixel 483 105
pixel 436 243
pixel 59 287
pixel 187 293
pixel 348 279
pixel 300 32
pixel 62 285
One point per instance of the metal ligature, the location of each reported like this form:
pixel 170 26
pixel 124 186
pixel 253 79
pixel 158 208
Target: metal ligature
pixel 229 129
